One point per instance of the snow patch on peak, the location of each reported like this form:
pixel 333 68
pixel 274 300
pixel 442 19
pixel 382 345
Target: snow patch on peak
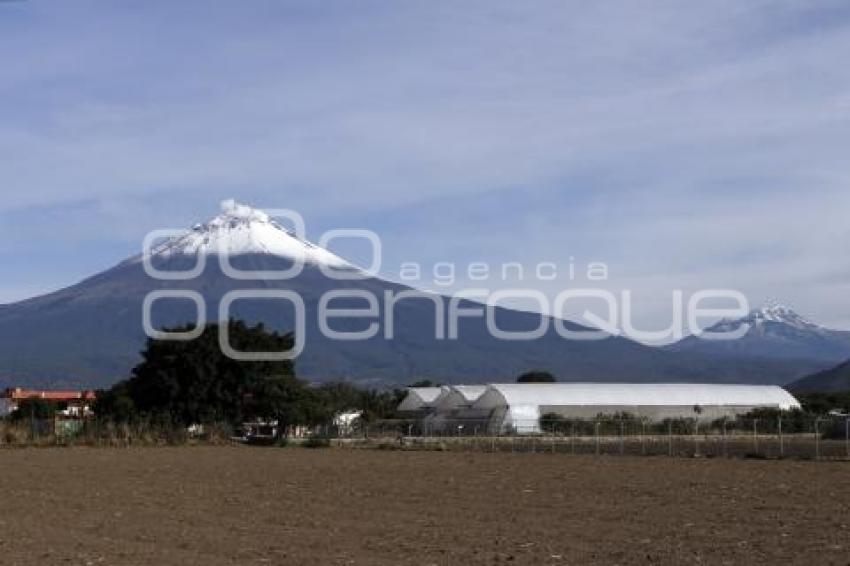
pixel 773 311
pixel 240 230
pixel 769 312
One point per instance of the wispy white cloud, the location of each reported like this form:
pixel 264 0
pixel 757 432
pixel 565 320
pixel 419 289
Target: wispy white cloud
pixel 684 144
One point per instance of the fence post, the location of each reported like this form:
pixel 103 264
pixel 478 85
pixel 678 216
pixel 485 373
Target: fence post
pixel 847 437
pixel 756 436
pixel 696 438
pixel 572 438
pixel 622 437
pixel 597 438
pixel 725 440
pixel 670 438
pixel 781 440
pixel 817 440
pixel 643 437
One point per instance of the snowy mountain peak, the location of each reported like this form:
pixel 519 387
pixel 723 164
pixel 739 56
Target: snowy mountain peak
pixel 770 312
pixel 775 312
pixel 773 331
pixel 241 229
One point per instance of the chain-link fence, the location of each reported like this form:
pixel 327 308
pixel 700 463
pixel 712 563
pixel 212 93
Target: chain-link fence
pixel 797 437
pixel 826 438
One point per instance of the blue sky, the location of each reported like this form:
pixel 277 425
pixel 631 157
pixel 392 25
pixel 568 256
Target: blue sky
pixel 686 145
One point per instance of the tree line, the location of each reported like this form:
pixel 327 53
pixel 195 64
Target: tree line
pixel 192 382
pixel 180 383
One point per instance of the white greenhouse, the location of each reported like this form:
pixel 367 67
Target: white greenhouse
pixel 421 399
pixel 453 409
pixel 459 397
pixel 501 408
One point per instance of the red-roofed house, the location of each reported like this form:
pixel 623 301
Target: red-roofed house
pixel 78 402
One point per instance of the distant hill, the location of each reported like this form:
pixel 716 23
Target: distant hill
pixel 835 379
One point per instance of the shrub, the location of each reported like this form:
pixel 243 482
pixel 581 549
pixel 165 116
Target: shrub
pixel 835 429
pixel 317 442
pixel 536 376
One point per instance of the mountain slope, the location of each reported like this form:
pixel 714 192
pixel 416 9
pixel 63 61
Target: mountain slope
pixel 831 380
pixel 90 334
pixel 776 332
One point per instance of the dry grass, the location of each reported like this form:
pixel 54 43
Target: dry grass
pixel 99 434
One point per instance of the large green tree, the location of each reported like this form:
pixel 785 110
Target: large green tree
pixel 536 376
pixel 194 381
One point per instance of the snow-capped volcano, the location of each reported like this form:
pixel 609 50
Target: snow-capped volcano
pixel 242 230
pixel 774 331
pixel 770 312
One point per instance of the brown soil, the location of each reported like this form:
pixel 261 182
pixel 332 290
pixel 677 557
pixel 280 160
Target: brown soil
pixel 239 505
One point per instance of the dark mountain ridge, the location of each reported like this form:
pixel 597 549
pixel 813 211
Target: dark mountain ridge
pixel 90 334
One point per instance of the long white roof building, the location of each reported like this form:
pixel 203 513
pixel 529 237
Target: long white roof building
pixel 635 395
pixel 519 406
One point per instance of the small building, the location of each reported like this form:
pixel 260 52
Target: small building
pixel 345 422
pixel 77 404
